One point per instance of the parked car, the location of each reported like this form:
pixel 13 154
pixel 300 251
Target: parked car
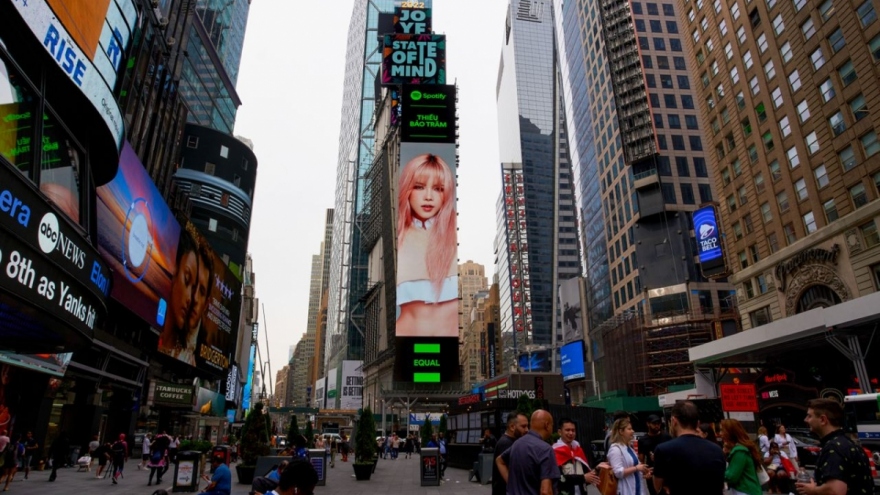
pixel 807 448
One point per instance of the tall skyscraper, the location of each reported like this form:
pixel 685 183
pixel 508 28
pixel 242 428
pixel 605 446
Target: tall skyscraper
pixel 472 289
pixel 787 89
pixel 348 271
pixel 537 243
pixel 647 169
pixel 471 279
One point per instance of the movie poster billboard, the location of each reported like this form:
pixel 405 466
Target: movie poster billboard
pixel 331 392
pixel 572 316
pixel 167 275
pixel 320 402
pixel 352 393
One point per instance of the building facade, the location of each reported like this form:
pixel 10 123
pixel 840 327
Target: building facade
pixel 537 242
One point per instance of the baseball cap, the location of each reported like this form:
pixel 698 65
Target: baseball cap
pixel 654 419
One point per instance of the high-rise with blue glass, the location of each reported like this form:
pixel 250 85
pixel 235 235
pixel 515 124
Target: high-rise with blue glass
pixel 348 271
pixel 537 244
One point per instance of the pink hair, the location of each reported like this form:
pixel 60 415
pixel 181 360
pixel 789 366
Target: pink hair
pixel 442 246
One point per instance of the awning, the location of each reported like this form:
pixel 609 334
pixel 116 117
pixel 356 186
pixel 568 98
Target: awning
pixel 753 347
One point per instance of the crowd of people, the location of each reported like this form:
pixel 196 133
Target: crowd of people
pixel 692 458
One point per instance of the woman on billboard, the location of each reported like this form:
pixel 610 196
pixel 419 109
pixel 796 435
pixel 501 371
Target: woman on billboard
pixel 427 274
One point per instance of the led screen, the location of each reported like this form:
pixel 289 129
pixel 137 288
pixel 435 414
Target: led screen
pixel 572 361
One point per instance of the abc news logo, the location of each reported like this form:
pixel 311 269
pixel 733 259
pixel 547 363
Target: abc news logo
pixel 50 238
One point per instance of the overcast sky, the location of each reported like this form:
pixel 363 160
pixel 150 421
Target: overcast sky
pixel 290 84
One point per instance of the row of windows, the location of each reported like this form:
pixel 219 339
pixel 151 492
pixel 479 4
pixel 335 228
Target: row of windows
pixel 696 144
pixel 681 165
pixel 668 9
pixel 666 81
pixel 687 193
pixel 657 26
pixel 663 62
pixel 674 121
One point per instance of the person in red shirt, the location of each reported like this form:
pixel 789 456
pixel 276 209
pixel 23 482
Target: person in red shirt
pixel 572 461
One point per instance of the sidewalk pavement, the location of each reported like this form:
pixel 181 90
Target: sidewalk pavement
pixel 392 477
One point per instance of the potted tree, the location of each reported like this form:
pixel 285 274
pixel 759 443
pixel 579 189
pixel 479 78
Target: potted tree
pixel 365 446
pixel 254 443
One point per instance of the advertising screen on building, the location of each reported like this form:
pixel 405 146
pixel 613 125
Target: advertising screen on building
pixel 352 393
pixel 320 402
pixel 572 316
pixel 167 275
pixel 332 392
pixel 412 18
pixel 428 114
pixel 535 361
pixel 709 247
pixel 572 361
pixel 414 59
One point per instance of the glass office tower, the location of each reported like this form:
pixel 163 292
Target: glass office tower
pixel 348 270
pixel 537 242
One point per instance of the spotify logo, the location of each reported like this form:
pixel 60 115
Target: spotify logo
pixel 415 95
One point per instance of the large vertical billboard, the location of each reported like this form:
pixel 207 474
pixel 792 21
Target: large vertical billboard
pixel 709 249
pixel 427 243
pixel 332 392
pixel 571 358
pixel 167 275
pixel 414 59
pixel 572 316
pixel 352 394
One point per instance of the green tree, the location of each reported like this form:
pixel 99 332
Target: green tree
pixel 427 430
pixel 365 438
pixel 524 405
pixel 254 436
pixel 293 431
pixel 310 435
pixel 442 426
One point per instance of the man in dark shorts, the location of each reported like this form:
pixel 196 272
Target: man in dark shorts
pixel 648 443
pixel 842 467
pixel 529 465
pixel 517 426
pixel 688 464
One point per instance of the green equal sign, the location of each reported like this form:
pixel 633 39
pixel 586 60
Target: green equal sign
pixel 426 348
pixel 426 377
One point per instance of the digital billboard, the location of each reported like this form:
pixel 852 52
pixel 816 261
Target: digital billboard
pixel 168 275
pixel 534 361
pixel 412 18
pixel 352 393
pixel 414 59
pixel 428 114
pixel 572 316
pixel 572 361
pixel 709 249
pixel 331 393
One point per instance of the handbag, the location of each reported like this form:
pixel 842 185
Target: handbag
pixel 763 477
pixel 607 482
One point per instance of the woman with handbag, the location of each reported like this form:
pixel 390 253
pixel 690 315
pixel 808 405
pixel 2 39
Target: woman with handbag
pixel 624 462
pixel 743 459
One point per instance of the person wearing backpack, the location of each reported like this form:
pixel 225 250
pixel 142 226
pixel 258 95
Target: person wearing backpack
pixel 157 462
pixel 120 456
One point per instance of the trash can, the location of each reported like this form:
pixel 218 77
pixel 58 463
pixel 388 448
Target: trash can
pixel 430 466
pixel 318 458
pixel 222 451
pixel 484 473
pixel 186 471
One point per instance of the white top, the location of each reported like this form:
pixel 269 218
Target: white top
pixel 786 444
pixel 145 448
pixel 764 444
pixel 620 460
pixel 412 271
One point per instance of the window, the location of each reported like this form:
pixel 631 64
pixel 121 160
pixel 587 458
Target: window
pixel 244 163
pixel 650 80
pixel 728 50
pixel 700 167
pixel 717 6
pixel 794 79
pixel 784 126
pixel 714 68
pixel 754 86
pixel 761 111
pixel 817 58
pixel 837 41
pixel 847 73
pixel 743 195
pixel 768 145
pixel 652 8
pixel 710 102
pixel 760 281
pixel 716 126
pixel 777 97
pixel 722 28
pixel 656 27
pixel 683 82
pixel 681 164
pixel 665 81
pixel 762 316
pixel 737 168
pixel 793 159
pixel 826 9
pixel 659 43
pixel 827 90
pixel 759 182
pixel 858 195
pixel 687 102
pixel 643 43
pixel 734 75
pixel 236 179
pixel 658 120
pixel 808 28
pixel 725 116
pixel 679 63
pixel 655 100
pixel 740 100
pixel 800 187
pixel 837 123
pixel 812 141
pixel 755 18
pixel 668 191
pixel 775 172
pixel 662 62
pixel 704 24
pixel 866 12
pixel 669 101
pixel 738 234
pixel 224 151
pixel 799 4
pixel 725 176
pixel 803 111
pixel 741 35
pixel 771 4
pixel 766 214
pixel 691 15
pixel 687 194
pixel 770 70
pixel 731 203
pixel 640 25
pixel 678 142
pixel 209 168
pixel 782 201
pixel 809 222
pixel 870 234
pixel 746 127
pixel 821 176
pixel 847 159
pixel 672 27
pixel 735 11
pixel 636 8
pixel 778 25
pixel 646 62
pixel 705 193
pixel 696 36
pixel 668 10
pixel 869 142
pixel 675 44
pixel 192 142
pixel 762 42
pixel 744 263
pixel 830 210
pixel 790 236
pixel 212 224
pixel 874 45
pixel 661 142
pixel 877 181
pixel 858 107
pixel 696 143
pixel 786 52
